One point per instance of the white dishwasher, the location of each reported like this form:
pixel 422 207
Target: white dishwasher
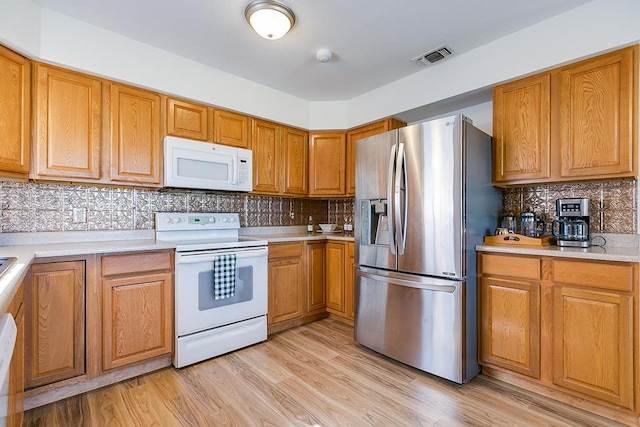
pixel 8 333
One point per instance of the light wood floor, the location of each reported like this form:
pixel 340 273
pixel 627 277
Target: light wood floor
pixel 311 375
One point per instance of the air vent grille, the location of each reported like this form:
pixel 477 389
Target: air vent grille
pixel 433 56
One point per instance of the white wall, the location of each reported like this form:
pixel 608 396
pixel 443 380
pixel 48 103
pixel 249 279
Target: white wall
pixel 593 28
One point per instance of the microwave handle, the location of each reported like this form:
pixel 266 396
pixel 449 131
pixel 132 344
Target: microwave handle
pixel 234 174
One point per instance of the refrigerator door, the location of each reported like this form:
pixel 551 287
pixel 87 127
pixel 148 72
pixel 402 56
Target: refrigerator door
pixel 415 320
pixel 375 160
pixel 429 223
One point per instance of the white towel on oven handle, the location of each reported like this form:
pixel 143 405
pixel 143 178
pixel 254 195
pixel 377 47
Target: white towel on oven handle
pixel 224 276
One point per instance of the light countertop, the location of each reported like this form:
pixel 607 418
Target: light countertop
pixel 606 253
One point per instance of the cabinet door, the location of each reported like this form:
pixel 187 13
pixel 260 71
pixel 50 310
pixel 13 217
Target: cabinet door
pixel 231 129
pixel 15 112
pixel 593 343
pixel 286 280
pixel 349 280
pixel 187 120
pixel 335 253
pixel 597 114
pixel 359 133
pixel 55 319
pixel 522 130
pixel 267 156
pixel 68 125
pixel 137 319
pixel 510 325
pixel 327 159
pixel 316 295
pixel 15 404
pixel 295 144
pixel 136 140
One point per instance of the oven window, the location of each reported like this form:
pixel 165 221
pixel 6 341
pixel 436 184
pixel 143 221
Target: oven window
pixel 244 289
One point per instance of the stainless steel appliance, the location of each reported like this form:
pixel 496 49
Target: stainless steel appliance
pixel 423 201
pixel 572 227
pixel 197 164
pixel 208 324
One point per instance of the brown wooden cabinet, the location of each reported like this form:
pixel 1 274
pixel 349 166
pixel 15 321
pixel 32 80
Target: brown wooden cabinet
pixel 327 163
pixel 279 159
pixel 286 283
pixel 522 130
pixel 231 129
pixel 364 132
pixel 137 307
pixel 135 149
pixel 572 123
pixel 15 113
pixel 55 321
pixel 15 403
pixel 68 125
pixel 316 301
pixel 335 277
pixel 568 324
pixel 187 119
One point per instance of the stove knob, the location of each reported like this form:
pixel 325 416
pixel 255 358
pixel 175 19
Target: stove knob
pixel 225 219
pixel 167 220
pixel 232 219
pixel 176 220
pixel 212 219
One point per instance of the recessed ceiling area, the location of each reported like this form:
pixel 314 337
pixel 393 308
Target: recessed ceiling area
pixel 372 42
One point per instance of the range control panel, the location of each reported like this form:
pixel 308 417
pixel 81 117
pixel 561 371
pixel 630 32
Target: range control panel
pixel 196 221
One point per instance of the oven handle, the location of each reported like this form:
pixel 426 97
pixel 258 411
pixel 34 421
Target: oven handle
pixel 188 258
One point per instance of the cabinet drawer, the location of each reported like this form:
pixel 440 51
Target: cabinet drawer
pixel 285 250
pixel 605 275
pixel 136 263
pixel 510 265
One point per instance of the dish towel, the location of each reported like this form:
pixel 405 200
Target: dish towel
pixel 224 276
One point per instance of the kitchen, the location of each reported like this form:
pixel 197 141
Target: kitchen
pixel 123 208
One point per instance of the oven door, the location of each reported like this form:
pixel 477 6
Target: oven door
pixel 196 308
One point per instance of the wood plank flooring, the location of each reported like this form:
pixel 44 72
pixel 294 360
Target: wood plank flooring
pixel 312 375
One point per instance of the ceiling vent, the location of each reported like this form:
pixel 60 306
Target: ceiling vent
pixel 433 56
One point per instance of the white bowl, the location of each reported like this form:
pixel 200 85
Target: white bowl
pixel 328 227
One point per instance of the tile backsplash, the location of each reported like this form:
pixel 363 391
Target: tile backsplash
pixel 30 207
pixel 613 205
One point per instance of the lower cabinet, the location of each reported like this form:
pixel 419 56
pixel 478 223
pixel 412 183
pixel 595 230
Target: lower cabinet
pixel 286 279
pixel 15 404
pixel 316 289
pixel 340 279
pixel 137 307
pixel 55 322
pixel 563 323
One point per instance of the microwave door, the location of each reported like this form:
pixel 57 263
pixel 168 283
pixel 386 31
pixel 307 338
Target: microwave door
pixel 193 169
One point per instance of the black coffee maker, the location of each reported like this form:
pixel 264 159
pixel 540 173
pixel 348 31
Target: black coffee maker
pixel 572 227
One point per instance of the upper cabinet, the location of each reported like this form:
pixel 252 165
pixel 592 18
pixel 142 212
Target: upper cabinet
pixel 279 159
pixel 196 121
pixel 135 136
pixel 67 125
pixel 327 162
pixel 364 132
pixel 15 104
pixel 573 123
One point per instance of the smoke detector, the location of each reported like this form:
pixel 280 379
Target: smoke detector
pixel 434 55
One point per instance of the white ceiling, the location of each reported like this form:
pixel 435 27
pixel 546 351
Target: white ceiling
pixel 373 41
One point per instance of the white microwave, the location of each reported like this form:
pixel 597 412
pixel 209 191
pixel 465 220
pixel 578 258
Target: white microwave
pixel 203 165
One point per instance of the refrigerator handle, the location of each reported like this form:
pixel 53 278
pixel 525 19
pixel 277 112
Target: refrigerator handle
pixel 399 200
pixel 408 283
pixel 390 200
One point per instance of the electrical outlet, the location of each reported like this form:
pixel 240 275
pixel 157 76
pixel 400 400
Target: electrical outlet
pixel 292 215
pixel 79 215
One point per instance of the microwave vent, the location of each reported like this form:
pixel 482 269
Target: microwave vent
pixel 433 56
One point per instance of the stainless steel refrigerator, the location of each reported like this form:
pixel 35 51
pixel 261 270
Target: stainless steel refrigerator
pixel 423 201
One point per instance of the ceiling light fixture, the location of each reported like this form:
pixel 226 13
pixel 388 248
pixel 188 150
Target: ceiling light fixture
pixel 269 18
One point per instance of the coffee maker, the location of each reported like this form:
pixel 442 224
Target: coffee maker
pixel 572 227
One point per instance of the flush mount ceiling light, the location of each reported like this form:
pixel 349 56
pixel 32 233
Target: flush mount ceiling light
pixel 269 18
